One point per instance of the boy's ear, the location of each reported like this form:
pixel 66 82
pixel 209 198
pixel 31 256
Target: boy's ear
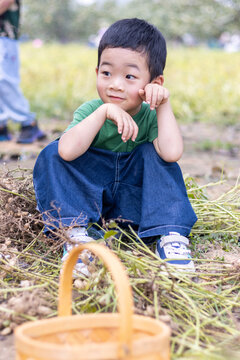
pixel 158 80
pixel 96 70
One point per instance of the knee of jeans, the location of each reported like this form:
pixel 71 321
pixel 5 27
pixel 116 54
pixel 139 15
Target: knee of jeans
pixel 50 151
pixel 46 160
pixel 146 150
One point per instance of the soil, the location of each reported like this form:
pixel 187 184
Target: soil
pixel 211 154
pixel 7 347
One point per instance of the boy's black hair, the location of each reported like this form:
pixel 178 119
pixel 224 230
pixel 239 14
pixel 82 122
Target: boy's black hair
pixel 138 35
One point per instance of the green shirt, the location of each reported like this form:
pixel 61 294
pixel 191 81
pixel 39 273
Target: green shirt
pixel 9 21
pixel 108 137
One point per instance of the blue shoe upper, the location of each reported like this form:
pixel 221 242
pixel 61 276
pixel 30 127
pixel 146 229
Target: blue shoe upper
pixel 29 134
pixel 174 248
pixel 4 134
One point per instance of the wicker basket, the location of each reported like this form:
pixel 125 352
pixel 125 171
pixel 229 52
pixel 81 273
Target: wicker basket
pixel 102 336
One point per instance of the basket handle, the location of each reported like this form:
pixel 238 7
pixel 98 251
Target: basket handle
pixel 123 289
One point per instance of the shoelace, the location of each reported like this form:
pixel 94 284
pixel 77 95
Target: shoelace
pixel 179 249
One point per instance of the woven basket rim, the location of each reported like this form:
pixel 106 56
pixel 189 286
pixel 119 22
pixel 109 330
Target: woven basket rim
pixel 145 343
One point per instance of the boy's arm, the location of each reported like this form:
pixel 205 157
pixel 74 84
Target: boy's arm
pixel 5 5
pixel 169 143
pixel 79 138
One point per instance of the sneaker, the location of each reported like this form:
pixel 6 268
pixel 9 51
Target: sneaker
pixel 4 134
pixel 78 235
pixel 174 248
pixel 30 134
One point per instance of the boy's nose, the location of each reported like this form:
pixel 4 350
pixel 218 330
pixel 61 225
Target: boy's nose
pixel 116 84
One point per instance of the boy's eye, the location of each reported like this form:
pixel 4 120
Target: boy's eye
pixel 130 77
pixel 106 73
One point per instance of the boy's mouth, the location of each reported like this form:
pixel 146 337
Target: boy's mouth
pixel 115 98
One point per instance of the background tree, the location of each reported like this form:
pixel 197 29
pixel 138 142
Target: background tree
pixel 68 20
pixel 202 18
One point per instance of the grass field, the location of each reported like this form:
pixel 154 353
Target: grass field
pixel 204 84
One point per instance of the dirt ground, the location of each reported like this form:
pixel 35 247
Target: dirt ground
pixel 211 154
pixel 7 348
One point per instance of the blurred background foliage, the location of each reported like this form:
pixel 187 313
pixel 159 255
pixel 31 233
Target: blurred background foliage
pixel 71 20
pixel 204 84
pixel 58 66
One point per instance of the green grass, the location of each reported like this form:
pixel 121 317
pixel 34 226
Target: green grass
pixel 57 79
pixel 210 145
pixel 204 84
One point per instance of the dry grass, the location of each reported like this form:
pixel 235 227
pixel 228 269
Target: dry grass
pixel 203 310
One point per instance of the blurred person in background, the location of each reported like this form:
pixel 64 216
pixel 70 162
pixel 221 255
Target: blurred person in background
pixel 13 104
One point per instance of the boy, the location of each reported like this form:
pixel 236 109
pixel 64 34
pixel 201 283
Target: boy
pixel 118 156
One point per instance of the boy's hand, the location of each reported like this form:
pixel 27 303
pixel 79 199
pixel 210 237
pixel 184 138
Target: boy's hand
pixel 125 123
pixel 154 94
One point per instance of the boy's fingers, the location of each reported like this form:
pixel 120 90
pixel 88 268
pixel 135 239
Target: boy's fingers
pixel 149 97
pixel 126 130
pixel 163 97
pixel 142 94
pixel 135 131
pixel 160 97
pixel 120 126
pixel 130 129
pixel 155 98
pixel 166 94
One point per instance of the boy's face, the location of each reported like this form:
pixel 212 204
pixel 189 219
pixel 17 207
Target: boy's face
pixel 120 76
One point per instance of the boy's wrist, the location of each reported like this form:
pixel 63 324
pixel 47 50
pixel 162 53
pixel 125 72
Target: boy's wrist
pixel 102 112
